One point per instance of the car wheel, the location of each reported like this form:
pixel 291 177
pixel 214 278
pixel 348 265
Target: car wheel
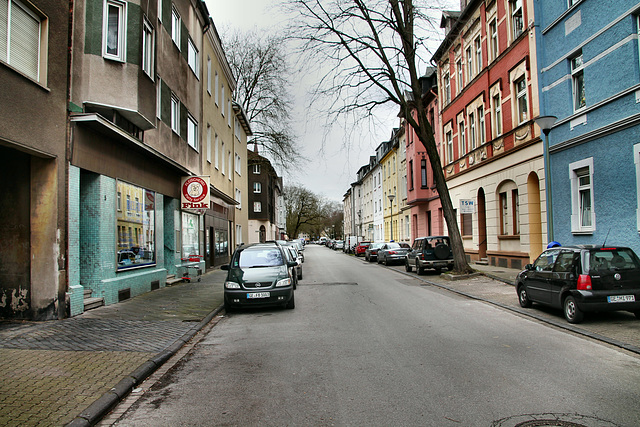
pixel 571 311
pixel 300 276
pixel 228 309
pixel 438 270
pixel 419 268
pixel 523 297
pixel 378 261
pixel 292 303
pixel 407 266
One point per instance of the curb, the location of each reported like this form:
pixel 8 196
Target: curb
pixel 101 407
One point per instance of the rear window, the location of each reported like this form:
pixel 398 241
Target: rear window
pixel 437 241
pixel 263 257
pixel 393 246
pixel 612 259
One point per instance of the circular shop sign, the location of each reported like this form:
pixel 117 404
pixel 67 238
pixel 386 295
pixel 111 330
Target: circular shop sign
pixel 194 189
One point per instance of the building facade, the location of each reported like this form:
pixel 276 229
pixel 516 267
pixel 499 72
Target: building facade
pixel 33 146
pixel 493 159
pixel 265 186
pixel 589 80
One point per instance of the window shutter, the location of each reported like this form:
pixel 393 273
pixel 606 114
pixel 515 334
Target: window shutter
pixel 25 41
pixel 4 16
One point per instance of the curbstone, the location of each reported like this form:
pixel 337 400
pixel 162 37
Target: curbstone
pixel 143 371
pixel 124 387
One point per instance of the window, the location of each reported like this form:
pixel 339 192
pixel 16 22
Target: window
pixel 504 214
pixel 192 57
pixel 447 89
pixel 114 34
pixel 577 79
pixel 462 139
pixel 515 204
pixel 238 164
pixel 175 114
pixel 256 169
pixel 208 143
pixel 238 199
pixel 636 161
pixel 257 206
pixel 147 48
pixel 175 27
pixel 222 158
pixel 192 132
pixel 481 129
pixel 497 115
pixel 521 95
pixel 493 43
pixel 257 187
pixel 229 160
pixel 216 152
pixel 572 2
pixel 469 59
pixel 222 99
pixel 472 131
pixel 516 17
pixel 229 111
pixel 423 173
pixel 478 46
pixel 238 234
pixel 136 228
pixel 466 224
pixel 449 137
pixel 215 89
pixel 460 72
pixel 209 75
pixel 582 212
pixel 158 97
pixel 410 175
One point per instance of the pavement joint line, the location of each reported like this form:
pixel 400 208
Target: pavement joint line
pixel 568 327
pixel 101 407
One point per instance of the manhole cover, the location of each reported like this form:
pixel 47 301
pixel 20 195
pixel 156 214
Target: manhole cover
pixel 548 423
pixel 552 420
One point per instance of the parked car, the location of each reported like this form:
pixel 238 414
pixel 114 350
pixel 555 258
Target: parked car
pixel 371 253
pixel 582 279
pixel 297 256
pixel 339 244
pixel 429 252
pixel 393 253
pixel 361 248
pixel 259 275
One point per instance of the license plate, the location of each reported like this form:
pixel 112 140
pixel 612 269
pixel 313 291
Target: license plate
pixel 621 298
pixel 258 295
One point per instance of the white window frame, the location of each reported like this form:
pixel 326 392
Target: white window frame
pixel 257 206
pixel 122 31
pixel 175 114
pixel 229 115
pixel 208 143
pixel 481 128
pixel 29 63
pixel 158 97
pixel 577 188
pixel 192 56
pixel 517 18
pixel 577 83
pixel 238 164
pixel 222 100
pixel 216 152
pixel 230 164
pixel 469 58
pixel 494 47
pixel 192 132
pixel 256 169
pixel 223 160
pixel 175 27
pixel 522 102
pixel 477 43
pixel 148 40
pixel 447 88
pixel 239 199
pixel 462 139
pixel 209 75
pixel 460 72
pixel 217 85
pixel 497 114
pixel 449 138
pixel 257 187
pixel 472 131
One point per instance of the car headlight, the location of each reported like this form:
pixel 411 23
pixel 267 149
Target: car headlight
pixel 231 285
pixel 283 282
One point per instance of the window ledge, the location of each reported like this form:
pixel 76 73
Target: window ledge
pixel 508 237
pixel 582 232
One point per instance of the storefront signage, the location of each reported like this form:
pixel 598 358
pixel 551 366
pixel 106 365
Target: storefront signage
pixel 195 192
pixel 466 206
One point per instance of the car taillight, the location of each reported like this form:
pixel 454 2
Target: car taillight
pixel 584 282
pixel 392 252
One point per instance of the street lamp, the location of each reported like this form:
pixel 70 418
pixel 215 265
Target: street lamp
pixel 391 197
pixel 546 123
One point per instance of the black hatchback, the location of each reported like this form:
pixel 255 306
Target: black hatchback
pixel 582 279
pixel 259 275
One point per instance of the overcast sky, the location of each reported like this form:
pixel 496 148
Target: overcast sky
pixel 333 164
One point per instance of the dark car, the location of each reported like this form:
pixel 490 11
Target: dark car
pixel 430 252
pixel 582 279
pixel 361 248
pixel 259 275
pixel 393 253
pixel 371 253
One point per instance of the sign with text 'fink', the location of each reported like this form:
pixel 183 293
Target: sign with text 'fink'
pixel 195 192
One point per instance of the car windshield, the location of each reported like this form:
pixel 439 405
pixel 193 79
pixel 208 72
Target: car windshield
pixel 376 245
pixel 262 257
pixel 612 259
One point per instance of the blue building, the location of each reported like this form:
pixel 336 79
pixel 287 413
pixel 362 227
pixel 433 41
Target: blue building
pixel 588 64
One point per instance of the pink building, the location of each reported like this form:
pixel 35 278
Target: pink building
pixel 422 196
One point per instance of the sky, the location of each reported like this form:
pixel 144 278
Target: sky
pixel 333 158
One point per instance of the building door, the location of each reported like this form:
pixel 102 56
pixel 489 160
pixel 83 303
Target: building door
pixel 263 234
pixel 482 225
pixel 535 216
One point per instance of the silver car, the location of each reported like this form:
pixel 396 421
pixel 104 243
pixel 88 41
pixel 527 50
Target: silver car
pixel 393 253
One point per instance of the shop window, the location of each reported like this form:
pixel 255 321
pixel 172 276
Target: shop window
pixel 136 227
pixel 190 234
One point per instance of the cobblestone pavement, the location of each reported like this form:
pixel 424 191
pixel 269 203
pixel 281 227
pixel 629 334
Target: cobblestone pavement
pixel 53 371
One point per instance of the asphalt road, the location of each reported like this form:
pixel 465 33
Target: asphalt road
pixel 368 346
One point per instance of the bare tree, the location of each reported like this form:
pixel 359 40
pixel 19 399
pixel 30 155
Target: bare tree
pixel 372 48
pixel 260 65
pixel 304 210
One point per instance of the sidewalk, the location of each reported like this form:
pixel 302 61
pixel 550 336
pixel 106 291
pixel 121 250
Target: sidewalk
pixel 73 370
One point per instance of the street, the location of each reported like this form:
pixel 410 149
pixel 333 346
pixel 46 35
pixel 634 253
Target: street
pixel 367 345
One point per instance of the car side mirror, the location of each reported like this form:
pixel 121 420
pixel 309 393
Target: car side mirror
pixel 292 263
pixel 528 267
pixel 224 267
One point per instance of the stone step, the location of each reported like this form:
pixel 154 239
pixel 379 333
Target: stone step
pixel 87 293
pixel 172 279
pixel 483 261
pixel 91 303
